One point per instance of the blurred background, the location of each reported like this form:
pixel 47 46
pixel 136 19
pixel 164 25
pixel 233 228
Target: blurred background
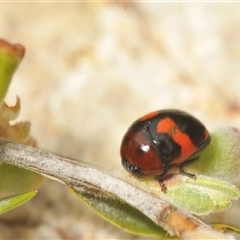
pixel 91 69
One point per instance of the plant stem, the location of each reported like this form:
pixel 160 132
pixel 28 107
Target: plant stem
pixel 85 178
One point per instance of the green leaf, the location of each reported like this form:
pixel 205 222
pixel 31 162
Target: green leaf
pixel 199 196
pixel 15 180
pixel 221 159
pixel 10 57
pixel 13 202
pixel 203 195
pixel 122 215
pixel 227 229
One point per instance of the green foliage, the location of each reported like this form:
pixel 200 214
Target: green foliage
pixel 13 202
pixel 221 159
pixel 203 196
pixel 15 180
pixel 199 196
pixel 10 58
pixel 122 215
pixel 227 229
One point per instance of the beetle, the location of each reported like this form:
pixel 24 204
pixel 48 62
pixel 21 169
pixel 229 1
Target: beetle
pixel 162 140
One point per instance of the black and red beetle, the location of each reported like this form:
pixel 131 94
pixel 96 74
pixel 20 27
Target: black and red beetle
pixel 163 140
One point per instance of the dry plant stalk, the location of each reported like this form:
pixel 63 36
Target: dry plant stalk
pixel 85 178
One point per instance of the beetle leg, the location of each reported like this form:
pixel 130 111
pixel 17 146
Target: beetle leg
pixel 160 179
pixel 180 167
pixel 191 175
